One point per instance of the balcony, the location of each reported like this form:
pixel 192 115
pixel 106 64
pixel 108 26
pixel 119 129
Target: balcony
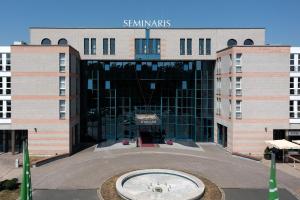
pixel 218 92
pixel 230 70
pixel 238 115
pixel 229 116
pixel 230 92
pixel 218 112
pixel 238 92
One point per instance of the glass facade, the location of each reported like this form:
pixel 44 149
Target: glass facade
pixel 180 93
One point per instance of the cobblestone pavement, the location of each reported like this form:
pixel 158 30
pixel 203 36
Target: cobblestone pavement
pixel 89 169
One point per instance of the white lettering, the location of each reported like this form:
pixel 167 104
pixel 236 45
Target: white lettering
pixel 132 23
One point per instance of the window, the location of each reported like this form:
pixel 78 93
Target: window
pixel 62 86
pixel 86 46
pixel 8 109
pixel 182 46
pixel 8 85
pixel 154 67
pixel 231 43
pixel 5 109
pixel 62 42
pixel 112 46
pixel 152 86
pixel 106 67
pixel 201 46
pixel 248 42
pixel 1 62
pixel 46 41
pixel 208 46
pixel 292 85
pixel 62 109
pixel 138 67
pixel 93 46
pixel 238 109
pixel 8 62
pixel 238 59
pixel 292 113
pixel 107 85
pixel 184 85
pixel 1 85
pixel 238 86
pixel 105 46
pixel 298 109
pixel 189 47
pixel 157 47
pixel 62 62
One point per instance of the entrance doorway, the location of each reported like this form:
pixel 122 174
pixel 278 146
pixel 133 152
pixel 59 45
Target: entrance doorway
pixel 151 135
pixel 222 135
pixel 12 140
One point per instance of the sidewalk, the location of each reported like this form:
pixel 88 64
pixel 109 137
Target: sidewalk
pixel 7 166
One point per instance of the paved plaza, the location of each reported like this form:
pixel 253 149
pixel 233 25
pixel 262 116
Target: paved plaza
pixel 79 176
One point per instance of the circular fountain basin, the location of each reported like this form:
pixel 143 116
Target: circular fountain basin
pixel 159 184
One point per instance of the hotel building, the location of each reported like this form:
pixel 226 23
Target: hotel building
pixel 69 86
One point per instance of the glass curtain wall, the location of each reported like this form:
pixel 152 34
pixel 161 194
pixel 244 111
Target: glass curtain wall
pixel 180 93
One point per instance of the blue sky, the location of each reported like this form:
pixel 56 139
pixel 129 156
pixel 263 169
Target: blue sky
pixel 281 18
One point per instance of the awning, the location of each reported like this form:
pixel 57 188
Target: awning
pixel 296 141
pixel 147 119
pixel 282 144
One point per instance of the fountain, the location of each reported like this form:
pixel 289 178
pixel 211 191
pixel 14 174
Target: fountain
pixel 159 184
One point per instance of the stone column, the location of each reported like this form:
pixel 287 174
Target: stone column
pixel 13 141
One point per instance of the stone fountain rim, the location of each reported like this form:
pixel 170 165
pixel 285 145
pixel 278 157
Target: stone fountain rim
pixel 127 196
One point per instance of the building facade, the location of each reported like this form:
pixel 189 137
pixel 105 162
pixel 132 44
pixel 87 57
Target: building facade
pixel 76 85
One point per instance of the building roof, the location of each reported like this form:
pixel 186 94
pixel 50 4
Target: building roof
pixel 253 46
pixel 200 28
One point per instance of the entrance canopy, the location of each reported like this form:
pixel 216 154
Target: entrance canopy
pixel 147 119
pixel 296 141
pixel 282 144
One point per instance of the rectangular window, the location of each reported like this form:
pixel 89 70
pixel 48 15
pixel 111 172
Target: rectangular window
pixel 62 62
pixel 182 46
pixel 292 85
pixel 86 46
pixel 1 109
pixel 93 46
pixel 238 109
pixel 184 85
pixel 292 63
pixel 292 113
pixel 106 67
pixel 144 46
pixel 189 46
pixel 112 46
pixel 238 83
pixel 208 46
pixel 150 46
pixel 137 46
pixel 238 86
pixel 201 46
pixel 8 109
pixel 1 85
pixel 154 67
pixel 105 46
pixel 62 86
pixel 62 109
pixel 138 67
pixel 1 62
pixel 157 47
pixel 8 62
pixel 238 62
pixel 152 86
pixel 8 85
pixel 298 109
pixel 107 85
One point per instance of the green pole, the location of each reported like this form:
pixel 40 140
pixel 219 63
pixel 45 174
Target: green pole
pixel 273 191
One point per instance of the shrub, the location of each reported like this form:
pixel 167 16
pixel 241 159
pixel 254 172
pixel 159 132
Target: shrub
pixel 11 184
